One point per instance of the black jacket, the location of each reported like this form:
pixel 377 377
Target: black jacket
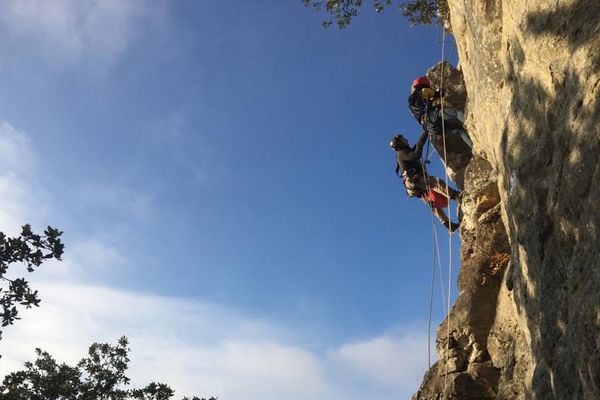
pixel 409 158
pixel 418 106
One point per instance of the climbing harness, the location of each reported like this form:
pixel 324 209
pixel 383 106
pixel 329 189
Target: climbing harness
pixel 413 184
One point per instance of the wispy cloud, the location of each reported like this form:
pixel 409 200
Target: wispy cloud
pixel 117 199
pixel 86 260
pixel 196 347
pixel 26 199
pixel 208 349
pixel 17 164
pixel 391 359
pixel 66 33
pixel 172 135
pixel 16 154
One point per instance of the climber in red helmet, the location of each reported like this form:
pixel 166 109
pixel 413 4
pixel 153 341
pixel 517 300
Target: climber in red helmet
pixel 421 96
pixel 424 105
pixel 430 189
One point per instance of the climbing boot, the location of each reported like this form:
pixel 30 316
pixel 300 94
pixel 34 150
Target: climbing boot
pixel 453 226
pixel 456 195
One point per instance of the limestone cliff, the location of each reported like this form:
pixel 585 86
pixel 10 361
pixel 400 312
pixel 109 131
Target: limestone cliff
pixel 526 324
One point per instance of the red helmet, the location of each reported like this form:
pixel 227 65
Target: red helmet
pixel 421 81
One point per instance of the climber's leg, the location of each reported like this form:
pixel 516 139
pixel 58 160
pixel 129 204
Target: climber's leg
pixel 441 215
pixel 440 186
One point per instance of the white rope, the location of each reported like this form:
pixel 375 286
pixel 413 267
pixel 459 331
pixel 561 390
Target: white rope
pixel 449 207
pixel 437 264
pixel 431 291
pixel 446 301
pixel 436 257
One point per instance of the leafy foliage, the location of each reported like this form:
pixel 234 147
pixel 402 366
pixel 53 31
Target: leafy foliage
pixel 30 250
pixel 418 12
pixel 99 376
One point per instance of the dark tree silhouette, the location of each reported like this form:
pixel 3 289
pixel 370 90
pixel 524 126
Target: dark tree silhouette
pixel 418 12
pixel 29 250
pixel 99 376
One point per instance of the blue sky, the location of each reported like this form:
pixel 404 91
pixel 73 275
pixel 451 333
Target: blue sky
pixel 227 165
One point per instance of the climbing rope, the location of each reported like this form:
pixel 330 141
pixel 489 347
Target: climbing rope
pixel 450 233
pixel 431 294
pixel 437 259
pixel 446 301
pixel 436 256
pixel 436 265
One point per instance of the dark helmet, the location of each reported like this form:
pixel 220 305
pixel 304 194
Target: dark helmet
pixel 398 142
pixel 421 81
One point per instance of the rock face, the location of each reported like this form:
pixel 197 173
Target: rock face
pixel 526 324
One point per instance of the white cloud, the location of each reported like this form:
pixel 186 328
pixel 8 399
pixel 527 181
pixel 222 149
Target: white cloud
pixel 197 348
pixel 67 32
pixel 25 199
pixel 86 259
pixel 17 164
pixel 172 136
pixel 16 154
pixel 395 360
pixel 117 199
pixel 238 368
pixel 206 349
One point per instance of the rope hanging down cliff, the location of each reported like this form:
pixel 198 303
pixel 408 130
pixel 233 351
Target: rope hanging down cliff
pixel 446 300
pixel 449 210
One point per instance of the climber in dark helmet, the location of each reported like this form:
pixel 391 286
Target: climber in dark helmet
pixel 430 189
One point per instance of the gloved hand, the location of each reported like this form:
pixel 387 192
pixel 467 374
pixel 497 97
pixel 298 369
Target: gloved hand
pixel 427 93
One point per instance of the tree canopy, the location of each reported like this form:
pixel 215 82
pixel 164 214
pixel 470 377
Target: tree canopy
pixel 417 11
pixel 29 250
pixel 99 376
